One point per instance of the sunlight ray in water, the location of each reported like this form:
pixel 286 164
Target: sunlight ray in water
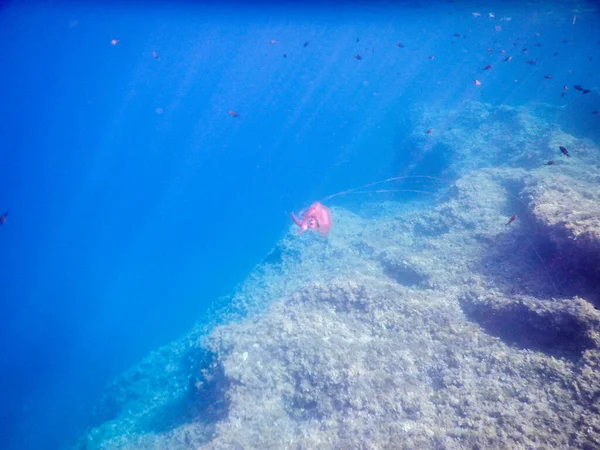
pixel 300 225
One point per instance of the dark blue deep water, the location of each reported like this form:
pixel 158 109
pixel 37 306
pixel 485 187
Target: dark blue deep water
pixel 145 177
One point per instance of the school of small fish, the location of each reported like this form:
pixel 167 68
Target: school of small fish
pixel 488 67
pixel 508 58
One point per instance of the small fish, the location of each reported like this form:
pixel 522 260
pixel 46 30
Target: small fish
pixel 476 14
pixel 155 55
pixel 555 54
pixel 512 219
pixel 285 55
pixel 477 82
pixel 548 77
pixel 524 50
pixel 586 91
pixel 532 62
pixel 3 217
pixel 232 113
pixel 306 44
pixel 431 57
pixel 114 41
pixel 492 15
pixel 357 56
pixel 272 41
pixel 489 50
pixel 400 45
pixel 456 35
pixel 429 131
pixel 507 59
pixel 488 67
pixel 565 151
pixel 578 87
pixel 549 163
pixel 537 44
pixel 596 112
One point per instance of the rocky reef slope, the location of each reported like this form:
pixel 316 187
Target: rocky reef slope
pixel 432 327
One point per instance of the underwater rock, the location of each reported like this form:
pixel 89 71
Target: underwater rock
pixel 402 268
pixel 169 388
pixel 568 210
pixel 416 327
pixel 562 328
pixel 577 118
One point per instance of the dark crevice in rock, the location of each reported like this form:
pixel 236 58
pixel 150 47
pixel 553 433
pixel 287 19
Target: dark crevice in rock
pixel 557 328
pixel 202 400
pixel 208 402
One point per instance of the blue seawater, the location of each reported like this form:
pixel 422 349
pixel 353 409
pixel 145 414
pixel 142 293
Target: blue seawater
pixel 152 152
